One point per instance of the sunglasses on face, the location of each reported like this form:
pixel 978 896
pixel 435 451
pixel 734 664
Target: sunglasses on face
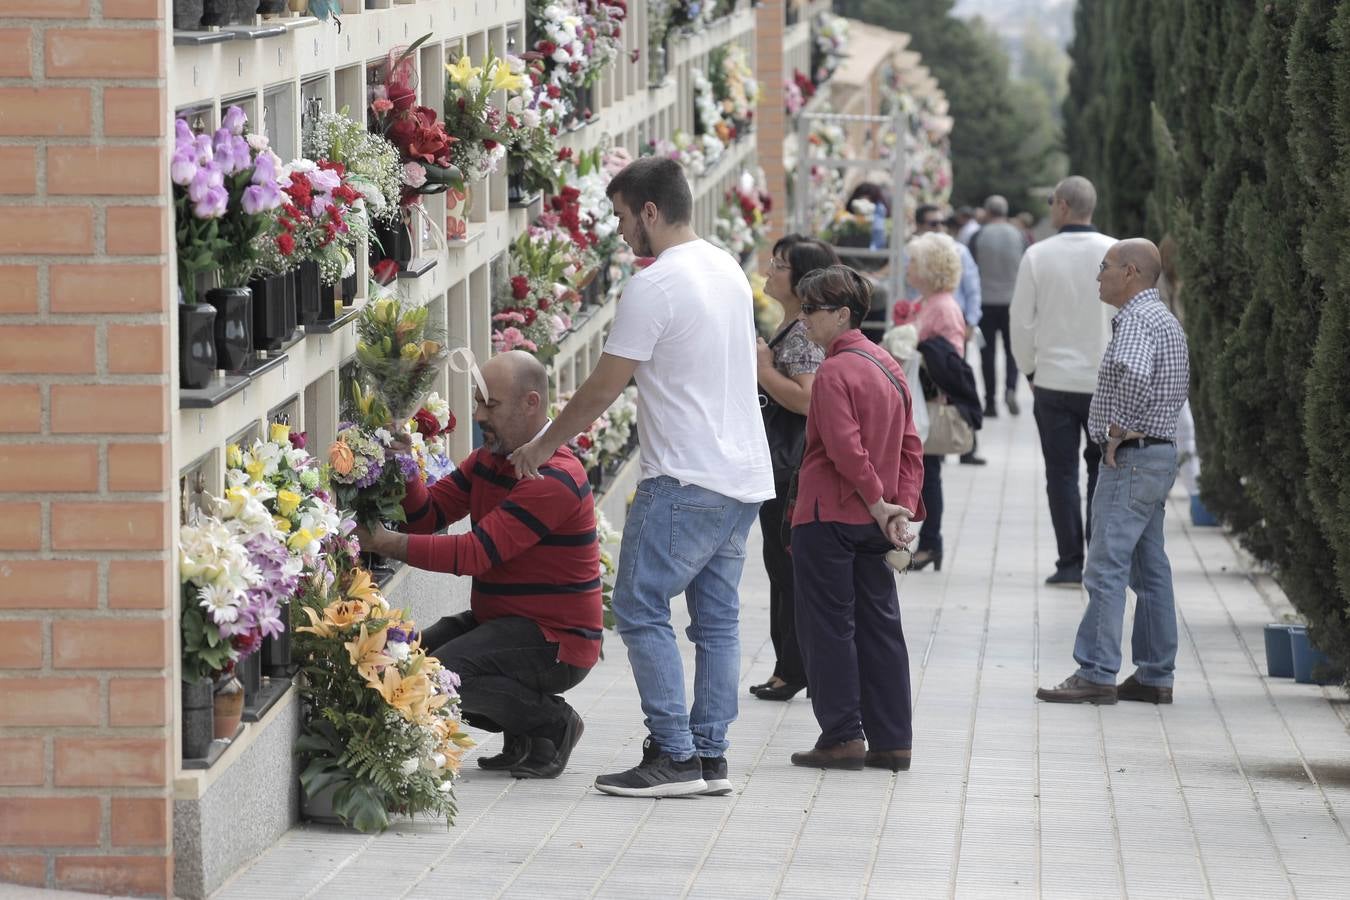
pixel 809 308
pixel 933 224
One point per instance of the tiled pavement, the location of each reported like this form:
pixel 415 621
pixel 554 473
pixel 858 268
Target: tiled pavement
pixel 1239 789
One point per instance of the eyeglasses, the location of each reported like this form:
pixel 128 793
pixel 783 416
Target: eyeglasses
pixel 808 308
pixel 776 263
pixel 1104 265
pixel 932 223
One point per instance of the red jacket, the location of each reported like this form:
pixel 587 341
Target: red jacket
pixel 860 439
pixel 532 550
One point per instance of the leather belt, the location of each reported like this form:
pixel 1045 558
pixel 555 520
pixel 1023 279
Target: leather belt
pixel 1140 443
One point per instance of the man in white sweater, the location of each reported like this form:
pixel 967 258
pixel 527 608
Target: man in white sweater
pixel 1059 332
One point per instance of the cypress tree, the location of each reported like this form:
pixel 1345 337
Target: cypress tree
pixel 1085 106
pixel 1128 162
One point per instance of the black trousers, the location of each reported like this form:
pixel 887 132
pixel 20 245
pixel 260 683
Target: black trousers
pixel 930 532
pixel 848 622
pixel 782 606
pixel 1061 419
pixel 993 321
pixel 510 676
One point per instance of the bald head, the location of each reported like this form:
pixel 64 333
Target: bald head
pixel 516 407
pixel 1144 256
pixel 1079 199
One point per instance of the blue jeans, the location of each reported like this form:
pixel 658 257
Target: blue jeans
pixel 683 538
pixel 1126 549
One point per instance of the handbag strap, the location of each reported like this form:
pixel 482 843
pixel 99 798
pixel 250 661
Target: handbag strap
pixel 888 373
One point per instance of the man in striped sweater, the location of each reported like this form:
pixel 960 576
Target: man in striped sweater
pixel 534 625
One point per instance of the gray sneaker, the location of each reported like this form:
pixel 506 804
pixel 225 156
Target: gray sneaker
pixel 656 776
pixel 715 775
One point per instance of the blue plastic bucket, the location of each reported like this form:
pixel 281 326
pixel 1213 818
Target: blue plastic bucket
pixel 1200 515
pixel 1279 652
pixel 1307 658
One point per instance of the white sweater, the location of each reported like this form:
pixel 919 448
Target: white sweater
pixel 1058 325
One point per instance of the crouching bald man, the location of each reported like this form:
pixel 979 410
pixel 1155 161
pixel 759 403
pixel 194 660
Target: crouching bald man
pixel 534 625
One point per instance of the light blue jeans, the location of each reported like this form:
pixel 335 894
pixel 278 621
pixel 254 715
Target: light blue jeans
pixel 683 538
pixel 1126 549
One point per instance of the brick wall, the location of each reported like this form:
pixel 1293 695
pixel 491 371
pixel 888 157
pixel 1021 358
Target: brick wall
pixel 86 606
pixel 771 118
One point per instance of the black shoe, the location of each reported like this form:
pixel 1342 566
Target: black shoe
pixel 785 691
pixel 715 776
pixel 1079 690
pixel 1010 397
pixel 924 558
pixel 1132 689
pixel 990 412
pixel 970 459
pixel 1066 578
pixel 515 749
pixel 756 688
pixel 548 759
pixel 656 776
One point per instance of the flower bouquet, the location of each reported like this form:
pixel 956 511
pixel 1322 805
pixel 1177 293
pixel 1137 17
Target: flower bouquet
pixel 323 220
pixel 734 86
pixel 482 130
pixel 829 46
pixel 741 226
pixel 430 428
pixel 367 468
pixel 372 165
pixel 398 354
pixel 381 735
pixel 533 309
pixel 420 137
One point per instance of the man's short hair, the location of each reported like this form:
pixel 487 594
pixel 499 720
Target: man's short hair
pixel 839 286
pixel 658 180
pixel 1078 195
pixel 996 205
pixel 923 210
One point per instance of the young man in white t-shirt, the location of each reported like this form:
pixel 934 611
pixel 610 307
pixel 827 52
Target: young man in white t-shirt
pixel 685 330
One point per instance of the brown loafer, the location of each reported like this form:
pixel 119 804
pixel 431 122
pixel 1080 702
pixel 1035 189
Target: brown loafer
pixel 1078 690
pixel 895 760
pixel 1132 689
pixel 848 755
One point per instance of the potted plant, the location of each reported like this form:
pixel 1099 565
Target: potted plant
pixel 200 200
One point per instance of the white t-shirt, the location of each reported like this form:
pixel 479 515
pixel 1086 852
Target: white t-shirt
pixel 688 321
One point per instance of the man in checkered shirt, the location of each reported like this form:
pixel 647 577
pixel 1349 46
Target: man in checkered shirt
pixel 1141 384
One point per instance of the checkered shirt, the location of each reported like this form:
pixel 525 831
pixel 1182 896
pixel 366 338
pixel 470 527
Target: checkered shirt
pixel 1145 373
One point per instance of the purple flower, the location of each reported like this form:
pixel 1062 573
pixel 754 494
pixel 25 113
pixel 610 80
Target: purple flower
pixel 324 180
pixel 206 179
pixel 183 168
pixel 397 635
pixel 182 133
pixel 269 618
pixel 265 169
pixel 213 205
pixel 205 149
pixel 260 198
pixel 373 472
pixel 407 465
pixel 235 120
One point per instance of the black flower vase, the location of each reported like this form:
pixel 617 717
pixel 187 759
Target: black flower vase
pixel 269 311
pixel 290 302
pixel 271 7
pixel 216 12
pixel 196 345
pixel 276 651
pixel 307 291
pixel 198 719
pixel 249 672
pixel 234 326
pixel 187 15
pixel 243 11
pixel 394 242
pixel 596 475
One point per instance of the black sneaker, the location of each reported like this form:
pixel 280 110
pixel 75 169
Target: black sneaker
pixel 715 775
pixel 656 776
pixel 515 748
pixel 548 757
pixel 1066 578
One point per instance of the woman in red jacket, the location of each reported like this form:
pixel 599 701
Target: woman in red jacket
pixel 858 489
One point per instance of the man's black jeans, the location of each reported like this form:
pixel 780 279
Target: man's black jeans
pixel 994 322
pixel 509 673
pixel 1061 419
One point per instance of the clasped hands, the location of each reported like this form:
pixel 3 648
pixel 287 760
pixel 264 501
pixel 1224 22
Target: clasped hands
pixel 893 520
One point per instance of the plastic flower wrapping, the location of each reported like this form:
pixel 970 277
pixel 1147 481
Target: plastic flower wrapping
pixel 399 354
pixel 368 467
pixel 381 731
pixel 225 188
pixel 423 144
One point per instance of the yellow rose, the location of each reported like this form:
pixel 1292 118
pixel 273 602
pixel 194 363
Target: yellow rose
pixel 234 457
pixel 255 469
pixel 300 540
pixel 341 457
pixel 283 525
pixel 411 352
pixel 281 434
pixel 287 502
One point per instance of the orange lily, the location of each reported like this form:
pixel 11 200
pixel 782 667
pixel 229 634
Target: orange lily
pixel 367 653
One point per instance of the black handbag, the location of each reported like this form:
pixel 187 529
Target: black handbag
pixel 785 429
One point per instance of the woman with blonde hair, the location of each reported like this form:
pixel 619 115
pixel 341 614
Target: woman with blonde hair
pixel 934 270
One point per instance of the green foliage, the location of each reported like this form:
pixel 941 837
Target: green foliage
pixel 205 652
pixel 1223 129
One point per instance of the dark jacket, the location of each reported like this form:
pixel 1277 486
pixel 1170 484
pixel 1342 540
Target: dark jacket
pixel 945 371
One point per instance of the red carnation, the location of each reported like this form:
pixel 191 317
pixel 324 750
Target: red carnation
pixel 385 271
pixel 520 287
pixel 544 304
pixel 530 315
pixel 489 144
pixel 427 426
pixel 285 243
pixel 554 91
pixel 548 48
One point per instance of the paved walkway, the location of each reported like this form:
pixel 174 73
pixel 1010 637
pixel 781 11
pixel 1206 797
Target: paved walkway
pixel 1240 789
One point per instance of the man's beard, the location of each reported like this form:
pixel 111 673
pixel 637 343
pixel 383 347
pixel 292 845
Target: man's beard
pixel 643 241
pixel 493 441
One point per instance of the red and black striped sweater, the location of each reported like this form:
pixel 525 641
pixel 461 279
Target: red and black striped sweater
pixel 532 550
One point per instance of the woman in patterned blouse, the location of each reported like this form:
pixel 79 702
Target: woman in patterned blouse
pixel 787 366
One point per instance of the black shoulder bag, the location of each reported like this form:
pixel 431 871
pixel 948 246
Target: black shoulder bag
pixel 785 429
